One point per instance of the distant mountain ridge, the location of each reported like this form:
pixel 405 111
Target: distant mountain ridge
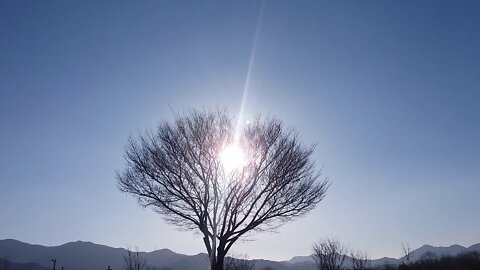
pixel 89 256
pixel 452 250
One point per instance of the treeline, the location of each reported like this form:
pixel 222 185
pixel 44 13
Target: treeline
pixel 330 254
pixel 429 261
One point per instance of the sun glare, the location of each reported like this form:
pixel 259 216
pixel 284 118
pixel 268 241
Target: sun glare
pixel 232 157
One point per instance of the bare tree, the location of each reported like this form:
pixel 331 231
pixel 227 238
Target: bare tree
pixel 238 262
pixel 360 260
pixel 133 261
pixel 329 254
pixel 407 252
pixel 177 170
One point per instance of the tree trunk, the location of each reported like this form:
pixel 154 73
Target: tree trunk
pixel 219 262
pixel 216 262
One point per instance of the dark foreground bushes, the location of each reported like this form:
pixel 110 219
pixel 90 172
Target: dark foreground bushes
pixel 464 261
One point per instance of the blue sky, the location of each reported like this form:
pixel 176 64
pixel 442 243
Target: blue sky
pixel 388 90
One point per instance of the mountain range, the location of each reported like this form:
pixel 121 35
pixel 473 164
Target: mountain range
pixel 89 256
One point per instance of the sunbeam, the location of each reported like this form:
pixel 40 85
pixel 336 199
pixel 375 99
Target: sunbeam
pixel 249 74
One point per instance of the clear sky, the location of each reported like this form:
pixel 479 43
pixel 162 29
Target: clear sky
pixel 389 91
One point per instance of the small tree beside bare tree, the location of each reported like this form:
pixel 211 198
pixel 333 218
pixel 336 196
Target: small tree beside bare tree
pixel 407 252
pixel 359 260
pixel 329 254
pixel 238 262
pixel 134 261
pixel 177 170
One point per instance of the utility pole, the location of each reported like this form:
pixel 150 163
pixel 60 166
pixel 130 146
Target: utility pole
pixel 54 263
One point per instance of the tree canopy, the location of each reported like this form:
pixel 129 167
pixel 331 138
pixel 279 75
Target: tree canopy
pixel 177 170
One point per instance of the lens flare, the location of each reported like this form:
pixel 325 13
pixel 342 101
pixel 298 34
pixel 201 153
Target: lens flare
pixel 232 157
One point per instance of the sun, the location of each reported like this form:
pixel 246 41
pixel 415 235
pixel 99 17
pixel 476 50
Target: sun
pixel 232 157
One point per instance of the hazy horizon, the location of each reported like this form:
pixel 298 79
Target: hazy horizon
pixel 388 91
pixel 134 248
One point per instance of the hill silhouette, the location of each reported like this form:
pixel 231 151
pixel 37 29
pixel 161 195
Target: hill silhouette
pixel 81 255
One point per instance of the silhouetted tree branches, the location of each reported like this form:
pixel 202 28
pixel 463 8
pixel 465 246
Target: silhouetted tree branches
pixel 407 252
pixel 176 170
pixel 359 260
pixel 239 262
pixel 329 254
pixel 133 261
